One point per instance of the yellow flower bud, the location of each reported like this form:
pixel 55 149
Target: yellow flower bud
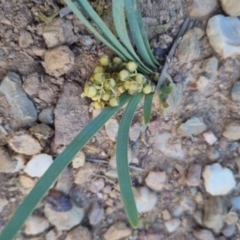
pixel 104 60
pixel 91 91
pixel 117 60
pixel 114 101
pixel 132 66
pixel 98 105
pixel 147 89
pixel 140 78
pixel 98 69
pixel 124 75
pixel 98 77
pixel 106 96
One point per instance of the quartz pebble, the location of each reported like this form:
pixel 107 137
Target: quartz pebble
pixel 95 214
pixel 231 7
pixel 224 35
pixel 145 199
pixel 209 137
pixel 38 165
pixel 117 231
pixel 201 8
pixel 218 180
pixel 229 230
pixel 231 218
pixel 80 232
pixel 204 234
pixel 156 180
pixel 232 130
pixel 35 225
pixel 172 225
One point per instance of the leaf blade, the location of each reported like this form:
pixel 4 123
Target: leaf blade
pixel 147 107
pixel 124 178
pixel 59 164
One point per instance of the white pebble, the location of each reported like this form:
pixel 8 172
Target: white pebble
pixel 156 180
pixel 35 225
pixel 38 165
pixel 79 160
pixel 209 137
pixel 218 180
pixel 172 224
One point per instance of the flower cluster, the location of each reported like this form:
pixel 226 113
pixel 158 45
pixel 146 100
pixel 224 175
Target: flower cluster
pixel 111 79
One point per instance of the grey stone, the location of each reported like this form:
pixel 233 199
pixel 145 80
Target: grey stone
pixel 58 61
pixel 59 32
pixel 210 65
pixel 46 115
pixel 188 204
pixel 71 115
pixel 235 201
pixel 194 175
pixel 235 94
pixel 65 181
pixel 232 130
pixel 95 214
pixel 25 39
pixel 201 8
pixel 189 49
pixel 231 7
pixel 192 126
pixel 172 224
pixel 15 102
pixel 204 235
pixel 7 165
pixel 229 230
pixel 215 211
pixel 224 35
pixel 79 232
pixel 31 84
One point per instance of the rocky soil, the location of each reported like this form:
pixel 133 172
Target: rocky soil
pixel 185 167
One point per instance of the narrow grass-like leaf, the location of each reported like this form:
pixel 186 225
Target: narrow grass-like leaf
pixel 88 25
pixel 132 17
pixel 124 178
pixel 143 32
pixel 121 28
pixel 147 107
pixel 102 26
pixel 59 164
pixel 166 89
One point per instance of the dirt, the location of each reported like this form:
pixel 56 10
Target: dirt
pixel 214 105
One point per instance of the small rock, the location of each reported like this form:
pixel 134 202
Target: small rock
pixel 7 165
pixel 71 115
pixel 135 132
pixel 145 199
pixel 231 218
pixel 3 135
pixel 38 165
pixel 112 174
pixel 213 154
pixel 231 7
pixel 215 211
pixel 95 214
pixel 38 51
pixel 65 181
pixel 59 32
pixel 53 235
pixel 189 48
pixel 58 61
pixel 79 232
pixel 188 204
pixel 172 225
pixel 165 215
pixel 25 39
pixel 41 131
pixel 117 231
pixel 156 180
pixel 218 180
pixel 198 217
pixel 235 94
pixel 210 65
pixel 61 212
pixel 46 92
pixel 229 230
pixel 97 185
pixel 46 115
pixel 194 175
pixel 199 9
pixel 20 109
pixel 209 137
pixel 79 160
pixel 27 183
pixel 202 83
pixel 24 143
pixel 235 201
pixel 224 35
pixel 35 225
pixel 84 173
pixel 204 235
pixel 170 146
pixel 111 129
pixel 193 126
pixel 31 84
pixel 3 203
pixel 232 131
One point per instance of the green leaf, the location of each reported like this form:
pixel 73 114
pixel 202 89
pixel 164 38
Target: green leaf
pixel 144 34
pixel 132 17
pixel 102 26
pixel 124 178
pixel 147 107
pixel 87 24
pixel 166 89
pixel 59 164
pixel 121 28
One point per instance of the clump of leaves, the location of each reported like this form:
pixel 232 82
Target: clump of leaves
pixel 113 78
pixel 146 64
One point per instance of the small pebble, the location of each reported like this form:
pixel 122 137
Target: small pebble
pixel 209 137
pixel 204 234
pixel 35 225
pixel 97 185
pixel 95 214
pixel 156 180
pixel 229 230
pixel 172 225
pixel 194 175
pixel 79 160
